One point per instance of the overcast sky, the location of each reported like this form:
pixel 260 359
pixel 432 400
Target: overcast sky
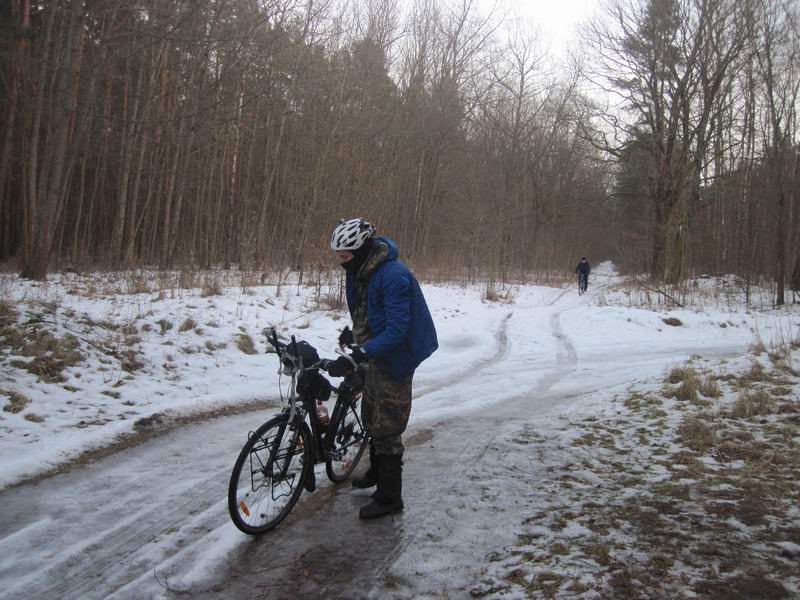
pixel 556 18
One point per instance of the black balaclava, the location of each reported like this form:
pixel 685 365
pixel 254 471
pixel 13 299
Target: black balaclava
pixel 360 256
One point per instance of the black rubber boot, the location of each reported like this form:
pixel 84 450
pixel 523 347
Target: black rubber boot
pixel 369 478
pixel 388 499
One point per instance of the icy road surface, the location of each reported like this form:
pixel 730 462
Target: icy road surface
pixel 151 521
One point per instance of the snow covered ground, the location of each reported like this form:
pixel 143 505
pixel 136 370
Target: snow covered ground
pixel 552 407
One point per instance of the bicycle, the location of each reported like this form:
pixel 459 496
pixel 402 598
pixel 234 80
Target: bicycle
pixel 277 461
pixel 583 283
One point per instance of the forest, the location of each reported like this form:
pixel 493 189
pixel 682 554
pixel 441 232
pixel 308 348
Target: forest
pixel 235 133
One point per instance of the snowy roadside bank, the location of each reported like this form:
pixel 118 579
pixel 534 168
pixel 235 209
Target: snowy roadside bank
pixel 533 411
pixel 87 359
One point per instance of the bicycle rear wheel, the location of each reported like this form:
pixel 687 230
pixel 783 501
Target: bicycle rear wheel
pixel 347 439
pixel 268 476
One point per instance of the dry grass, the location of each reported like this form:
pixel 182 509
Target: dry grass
pixel 752 403
pixel 492 295
pixel 680 375
pixel 17 402
pixel 755 374
pixel 245 343
pixel 696 434
pixel 50 354
pixel 332 302
pixel 8 314
pixel 212 286
pixel 781 357
pixel 187 324
pixel 138 285
pixel 689 384
pixel 690 463
pixel 709 387
pixel 734 482
pixel 164 325
pixel 188 280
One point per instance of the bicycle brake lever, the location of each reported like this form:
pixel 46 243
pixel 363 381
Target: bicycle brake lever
pixel 341 352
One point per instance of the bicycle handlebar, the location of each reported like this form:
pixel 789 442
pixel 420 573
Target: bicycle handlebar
pixel 283 350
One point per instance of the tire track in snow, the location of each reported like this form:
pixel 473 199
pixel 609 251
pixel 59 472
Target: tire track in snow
pixel 475 368
pixel 566 357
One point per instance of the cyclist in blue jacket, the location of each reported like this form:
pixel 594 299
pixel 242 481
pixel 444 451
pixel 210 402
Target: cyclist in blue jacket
pixel 394 331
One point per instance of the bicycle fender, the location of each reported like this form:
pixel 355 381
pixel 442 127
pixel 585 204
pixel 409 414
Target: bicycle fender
pixel 310 483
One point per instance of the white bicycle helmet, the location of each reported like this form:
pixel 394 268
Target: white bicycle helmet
pixel 351 234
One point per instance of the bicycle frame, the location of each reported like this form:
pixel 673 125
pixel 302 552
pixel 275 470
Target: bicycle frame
pixel 307 402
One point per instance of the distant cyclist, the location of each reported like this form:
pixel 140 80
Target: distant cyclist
pixel 583 269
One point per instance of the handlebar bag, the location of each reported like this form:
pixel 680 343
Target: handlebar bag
pixel 307 353
pixel 314 384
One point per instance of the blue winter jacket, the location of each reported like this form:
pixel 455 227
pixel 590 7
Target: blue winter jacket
pixel 403 334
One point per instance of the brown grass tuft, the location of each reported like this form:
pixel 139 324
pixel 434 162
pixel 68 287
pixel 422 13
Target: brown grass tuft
pixel 752 403
pixel 689 384
pixel 753 375
pixel 188 324
pixel 17 402
pixel 681 374
pixel 696 434
pixel 164 325
pixel 245 343
pixel 709 387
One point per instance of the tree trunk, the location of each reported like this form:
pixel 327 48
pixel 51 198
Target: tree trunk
pixel 66 98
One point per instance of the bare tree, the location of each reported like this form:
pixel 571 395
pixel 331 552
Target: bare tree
pixel 667 61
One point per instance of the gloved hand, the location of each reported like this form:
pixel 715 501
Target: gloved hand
pixel 339 367
pixel 358 355
pixel 346 337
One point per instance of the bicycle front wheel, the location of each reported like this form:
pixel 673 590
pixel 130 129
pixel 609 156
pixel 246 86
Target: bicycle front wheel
pixel 268 476
pixel 347 439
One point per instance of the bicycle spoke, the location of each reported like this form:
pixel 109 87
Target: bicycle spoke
pixel 268 486
pixel 347 444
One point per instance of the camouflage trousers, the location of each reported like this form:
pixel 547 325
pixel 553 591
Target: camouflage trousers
pixel 385 408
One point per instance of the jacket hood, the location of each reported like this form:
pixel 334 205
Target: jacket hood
pixel 394 251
